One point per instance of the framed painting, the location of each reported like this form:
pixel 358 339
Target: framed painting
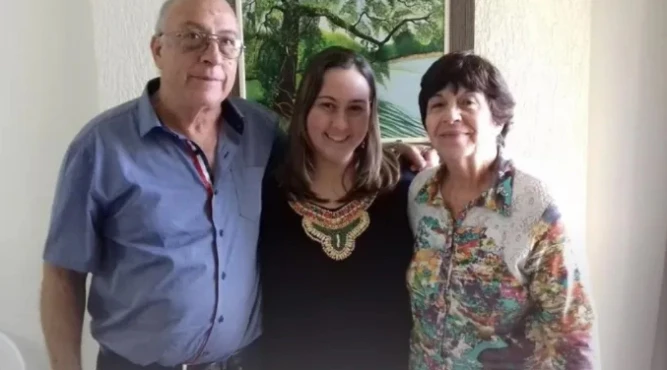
pixel 400 38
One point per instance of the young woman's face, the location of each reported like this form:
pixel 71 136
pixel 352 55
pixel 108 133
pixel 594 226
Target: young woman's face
pixel 339 119
pixel 459 123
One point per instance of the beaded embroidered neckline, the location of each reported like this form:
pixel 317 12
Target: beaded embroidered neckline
pixel 335 230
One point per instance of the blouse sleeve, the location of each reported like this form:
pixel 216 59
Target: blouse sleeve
pixel 561 327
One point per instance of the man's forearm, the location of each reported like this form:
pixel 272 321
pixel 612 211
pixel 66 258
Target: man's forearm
pixel 62 307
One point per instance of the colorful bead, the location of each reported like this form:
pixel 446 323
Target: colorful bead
pixel 336 231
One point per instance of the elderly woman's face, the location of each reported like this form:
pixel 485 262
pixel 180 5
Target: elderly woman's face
pixel 459 123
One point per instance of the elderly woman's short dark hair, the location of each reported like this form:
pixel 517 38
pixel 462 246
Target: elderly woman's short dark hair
pixel 474 73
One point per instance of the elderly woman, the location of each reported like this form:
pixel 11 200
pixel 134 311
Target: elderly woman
pixel 494 280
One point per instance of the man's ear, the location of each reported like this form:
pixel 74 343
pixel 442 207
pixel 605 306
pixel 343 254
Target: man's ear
pixel 156 49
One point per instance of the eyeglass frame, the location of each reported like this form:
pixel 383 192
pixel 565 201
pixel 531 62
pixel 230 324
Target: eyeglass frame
pixel 207 37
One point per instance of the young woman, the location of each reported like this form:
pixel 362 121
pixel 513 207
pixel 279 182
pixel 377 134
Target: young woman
pixel 335 241
pixel 495 280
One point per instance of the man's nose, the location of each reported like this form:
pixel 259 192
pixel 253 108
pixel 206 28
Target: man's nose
pixel 212 54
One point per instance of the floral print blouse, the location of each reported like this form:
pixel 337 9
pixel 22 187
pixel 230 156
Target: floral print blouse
pixel 496 286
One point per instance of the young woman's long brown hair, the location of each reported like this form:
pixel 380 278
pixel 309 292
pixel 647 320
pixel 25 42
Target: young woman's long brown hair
pixel 376 169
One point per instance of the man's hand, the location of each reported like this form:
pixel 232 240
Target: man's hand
pixel 418 156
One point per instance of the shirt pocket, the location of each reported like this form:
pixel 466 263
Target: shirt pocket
pixel 248 184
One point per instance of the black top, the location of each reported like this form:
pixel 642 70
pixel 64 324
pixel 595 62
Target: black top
pixel 319 313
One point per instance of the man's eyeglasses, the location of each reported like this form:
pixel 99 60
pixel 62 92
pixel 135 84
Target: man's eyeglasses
pixel 230 46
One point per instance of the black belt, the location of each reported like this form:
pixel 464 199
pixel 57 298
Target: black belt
pixel 245 359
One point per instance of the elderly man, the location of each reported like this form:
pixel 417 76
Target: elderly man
pixel 159 200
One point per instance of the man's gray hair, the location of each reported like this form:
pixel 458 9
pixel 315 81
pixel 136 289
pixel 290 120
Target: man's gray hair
pixel 162 15
pixel 159 25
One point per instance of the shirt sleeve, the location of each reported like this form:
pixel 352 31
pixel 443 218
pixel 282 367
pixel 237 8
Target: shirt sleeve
pixel 561 327
pixel 73 237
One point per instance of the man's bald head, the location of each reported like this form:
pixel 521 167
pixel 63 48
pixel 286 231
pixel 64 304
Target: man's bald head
pixel 169 4
pixel 196 48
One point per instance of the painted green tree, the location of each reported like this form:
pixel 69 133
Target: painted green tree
pixel 280 35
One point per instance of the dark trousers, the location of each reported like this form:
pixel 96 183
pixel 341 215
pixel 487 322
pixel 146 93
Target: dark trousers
pixel 248 358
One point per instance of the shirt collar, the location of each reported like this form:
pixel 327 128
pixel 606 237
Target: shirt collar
pixel 498 198
pixel 148 119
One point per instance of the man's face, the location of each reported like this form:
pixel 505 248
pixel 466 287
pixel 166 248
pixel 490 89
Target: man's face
pixel 197 52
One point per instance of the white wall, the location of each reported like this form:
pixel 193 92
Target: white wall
pixel 627 201
pixel 122 40
pixel 49 63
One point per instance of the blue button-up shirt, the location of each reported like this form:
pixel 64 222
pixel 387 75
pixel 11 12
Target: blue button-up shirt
pixel 168 282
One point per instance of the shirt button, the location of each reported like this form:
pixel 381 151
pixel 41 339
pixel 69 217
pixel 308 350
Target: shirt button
pixel 206 353
pixel 221 319
pixel 223 276
pixel 215 192
pixel 221 232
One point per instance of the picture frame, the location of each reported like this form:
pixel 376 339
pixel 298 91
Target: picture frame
pixel 399 46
